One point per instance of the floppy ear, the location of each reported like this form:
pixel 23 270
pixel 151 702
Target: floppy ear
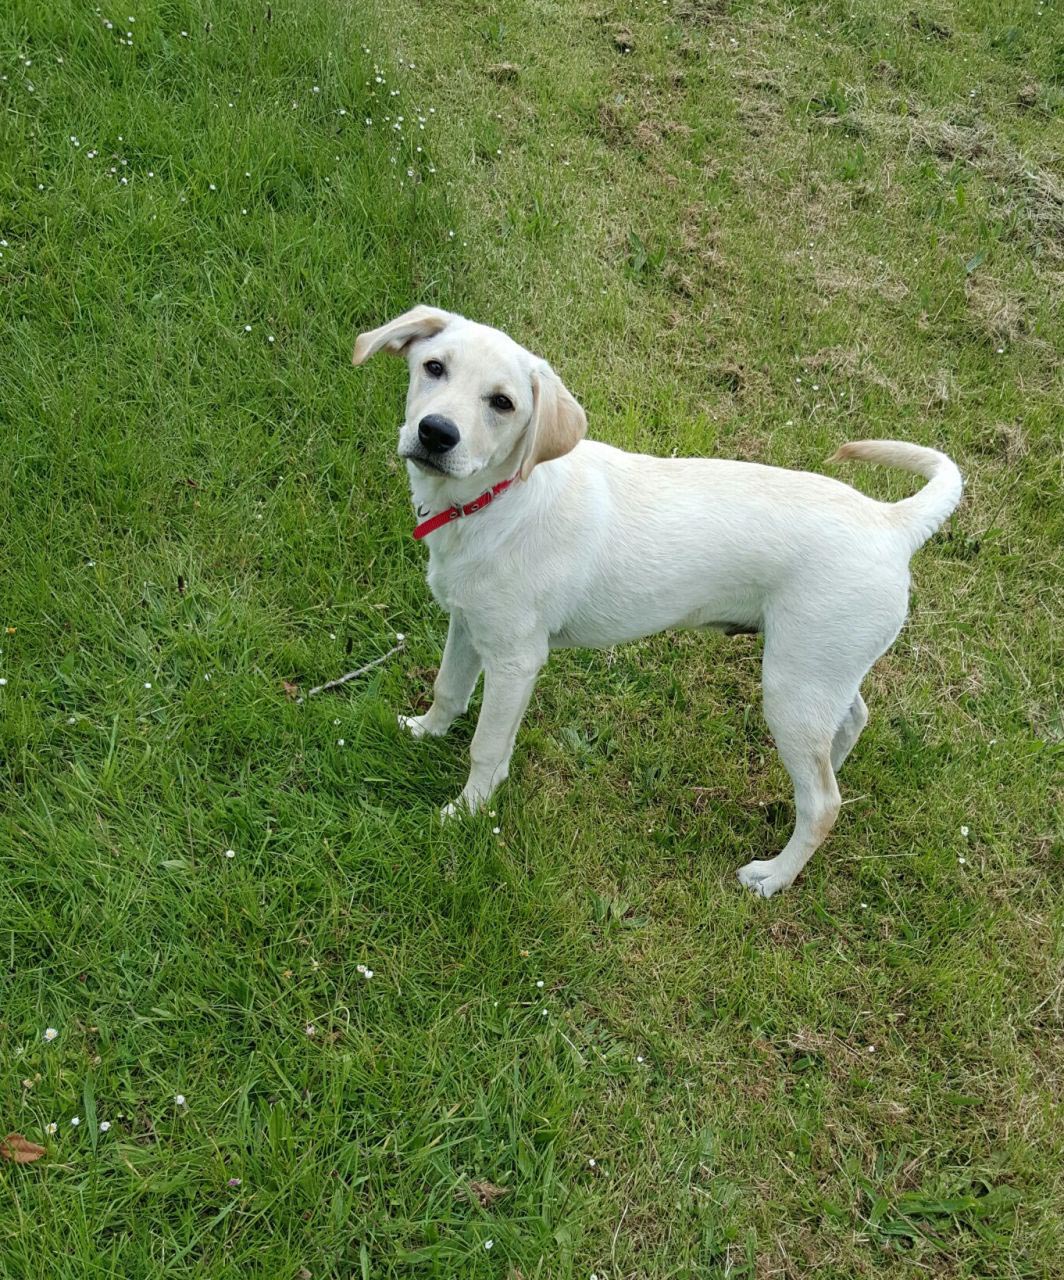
pixel 397 334
pixel 558 423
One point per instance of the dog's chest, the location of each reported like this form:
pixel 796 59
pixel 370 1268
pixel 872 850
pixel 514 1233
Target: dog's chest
pixel 456 579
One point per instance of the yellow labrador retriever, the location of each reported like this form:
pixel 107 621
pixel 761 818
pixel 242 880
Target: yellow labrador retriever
pixel 539 539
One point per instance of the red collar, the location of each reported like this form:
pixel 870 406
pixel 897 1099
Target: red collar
pixel 456 512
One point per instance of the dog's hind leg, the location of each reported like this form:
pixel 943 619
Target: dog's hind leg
pixel 801 722
pixel 812 675
pixel 846 735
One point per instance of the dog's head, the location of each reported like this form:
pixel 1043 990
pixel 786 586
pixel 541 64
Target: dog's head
pixel 477 401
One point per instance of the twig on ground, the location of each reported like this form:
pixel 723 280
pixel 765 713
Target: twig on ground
pixel 351 675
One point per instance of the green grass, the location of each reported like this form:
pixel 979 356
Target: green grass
pixel 761 231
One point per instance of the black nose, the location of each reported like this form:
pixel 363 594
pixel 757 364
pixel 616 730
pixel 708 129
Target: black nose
pixel 437 433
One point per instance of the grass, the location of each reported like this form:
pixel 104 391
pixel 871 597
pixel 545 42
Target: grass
pixel 743 229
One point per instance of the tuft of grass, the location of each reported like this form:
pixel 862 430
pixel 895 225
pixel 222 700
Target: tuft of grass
pixel 748 230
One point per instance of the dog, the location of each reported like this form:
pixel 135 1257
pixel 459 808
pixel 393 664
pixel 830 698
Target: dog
pixel 540 539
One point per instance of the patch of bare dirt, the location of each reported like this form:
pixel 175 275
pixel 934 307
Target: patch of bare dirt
pixel 702 13
pixel 995 314
pixel 853 364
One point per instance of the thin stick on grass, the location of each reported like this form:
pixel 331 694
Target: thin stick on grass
pixel 352 675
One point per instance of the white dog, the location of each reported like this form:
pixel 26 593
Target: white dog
pixel 539 539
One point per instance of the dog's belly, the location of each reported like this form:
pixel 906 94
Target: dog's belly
pixel 602 627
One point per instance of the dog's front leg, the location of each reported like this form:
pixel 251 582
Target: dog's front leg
pixel 455 681
pixel 508 685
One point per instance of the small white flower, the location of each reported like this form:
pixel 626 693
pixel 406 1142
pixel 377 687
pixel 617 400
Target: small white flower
pixel 147 684
pixel 339 742
pixel 72 719
pixel 964 832
pixel 539 982
pixel 591 1162
pixel 50 1034
pixel 211 187
pixel 316 89
pixel 51 1128
pixel 3 681
pixel 639 1057
pixel 104 1125
pixel 488 1244
pixel 75 1121
pixel 179 1098
pixel 864 906
pixel 360 968
pixel 368 973
pixel 309 1029
pixel 871 1048
pixel 230 853
pixel 963 861
pixel 336 722
pixel 247 328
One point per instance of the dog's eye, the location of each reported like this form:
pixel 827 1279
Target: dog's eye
pixel 501 404
pixel 434 369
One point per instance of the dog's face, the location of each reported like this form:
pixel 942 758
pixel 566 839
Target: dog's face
pixel 477 402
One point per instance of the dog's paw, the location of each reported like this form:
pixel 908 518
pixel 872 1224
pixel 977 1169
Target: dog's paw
pixel 415 726
pixel 763 878
pixel 463 807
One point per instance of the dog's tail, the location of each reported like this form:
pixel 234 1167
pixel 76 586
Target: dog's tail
pixel 919 516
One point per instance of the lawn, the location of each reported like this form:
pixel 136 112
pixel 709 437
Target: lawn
pixel 754 230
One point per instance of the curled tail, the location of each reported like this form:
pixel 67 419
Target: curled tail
pixel 919 516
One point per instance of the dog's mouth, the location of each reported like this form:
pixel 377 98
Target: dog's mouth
pixel 426 463
pixel 434 466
